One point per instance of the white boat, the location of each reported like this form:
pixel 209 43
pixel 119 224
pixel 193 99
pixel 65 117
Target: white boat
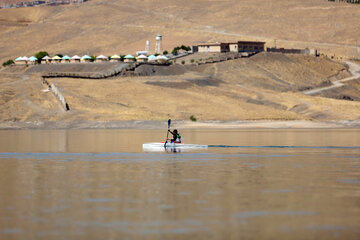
pixel 161 146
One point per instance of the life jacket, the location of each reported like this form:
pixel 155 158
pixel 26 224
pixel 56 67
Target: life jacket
pixel 177 138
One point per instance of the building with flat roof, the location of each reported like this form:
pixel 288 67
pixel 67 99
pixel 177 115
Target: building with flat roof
pixel 213 47
pixel 240 46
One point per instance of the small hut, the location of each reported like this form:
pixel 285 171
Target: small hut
pixel 142 58
pixel 129 58
pixel 65 59
pixel 115 58
pixel 26 59
pixel 152 58
pixel 75 59
pixel 56 59
pixel 101 58
pixel 46 59
pixel 32 60
pixel 86 58
pixel 162 59
pixel 20 61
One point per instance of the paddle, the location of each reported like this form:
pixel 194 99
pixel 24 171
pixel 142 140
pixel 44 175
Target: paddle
pixel 167 135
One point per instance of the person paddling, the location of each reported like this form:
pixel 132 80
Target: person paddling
pixel 176 136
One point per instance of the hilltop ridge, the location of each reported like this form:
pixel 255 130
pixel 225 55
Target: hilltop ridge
pixel 109 27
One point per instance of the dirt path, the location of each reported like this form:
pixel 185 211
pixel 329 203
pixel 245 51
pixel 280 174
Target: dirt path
pixel 353 68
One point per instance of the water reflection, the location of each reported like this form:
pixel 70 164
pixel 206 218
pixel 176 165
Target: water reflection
pixel 122 140
pixel 99 184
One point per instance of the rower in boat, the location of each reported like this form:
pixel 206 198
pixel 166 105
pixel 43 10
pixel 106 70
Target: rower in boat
pixel 176 136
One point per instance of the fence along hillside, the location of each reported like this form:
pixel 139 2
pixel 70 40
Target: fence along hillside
pixel 346 1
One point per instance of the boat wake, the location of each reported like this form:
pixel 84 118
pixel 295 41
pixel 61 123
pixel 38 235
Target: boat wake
pixel 296 147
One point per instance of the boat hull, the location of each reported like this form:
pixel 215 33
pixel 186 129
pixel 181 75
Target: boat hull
pixel 162 146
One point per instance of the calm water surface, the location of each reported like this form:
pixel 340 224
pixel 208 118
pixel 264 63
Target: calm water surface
pixel 249 184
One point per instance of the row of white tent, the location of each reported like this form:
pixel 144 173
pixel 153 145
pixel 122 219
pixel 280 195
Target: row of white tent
pixel 87 58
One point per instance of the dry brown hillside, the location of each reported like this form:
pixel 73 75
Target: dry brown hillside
pixel 265 86
pixel 108 27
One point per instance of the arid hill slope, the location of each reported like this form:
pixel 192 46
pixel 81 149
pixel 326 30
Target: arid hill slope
pixel 265 86
pixel 109 27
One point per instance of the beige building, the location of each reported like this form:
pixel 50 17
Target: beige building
pixel 213 47
pixel 240 46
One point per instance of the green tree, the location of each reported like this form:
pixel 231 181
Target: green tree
pixel 40 55
pixel 165 52
pixel 175 50
pixel 186 48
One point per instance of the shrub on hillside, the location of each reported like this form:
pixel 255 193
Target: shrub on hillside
pixel 8 62
pixel 192 118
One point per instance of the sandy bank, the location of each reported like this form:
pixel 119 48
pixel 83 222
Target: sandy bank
pixel 181 125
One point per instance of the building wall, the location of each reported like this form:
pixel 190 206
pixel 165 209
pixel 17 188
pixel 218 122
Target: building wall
pixel 305 51
pixel 251 46
pixel 210 48
pixel 20 62
pixel 233 47
pixel 224 47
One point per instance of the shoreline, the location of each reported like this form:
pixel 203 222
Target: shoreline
pixel 148 124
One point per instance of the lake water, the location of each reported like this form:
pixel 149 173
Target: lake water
pixel 249 184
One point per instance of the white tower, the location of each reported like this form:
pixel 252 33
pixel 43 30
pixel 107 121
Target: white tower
pixel 147 47
pixel 158 44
